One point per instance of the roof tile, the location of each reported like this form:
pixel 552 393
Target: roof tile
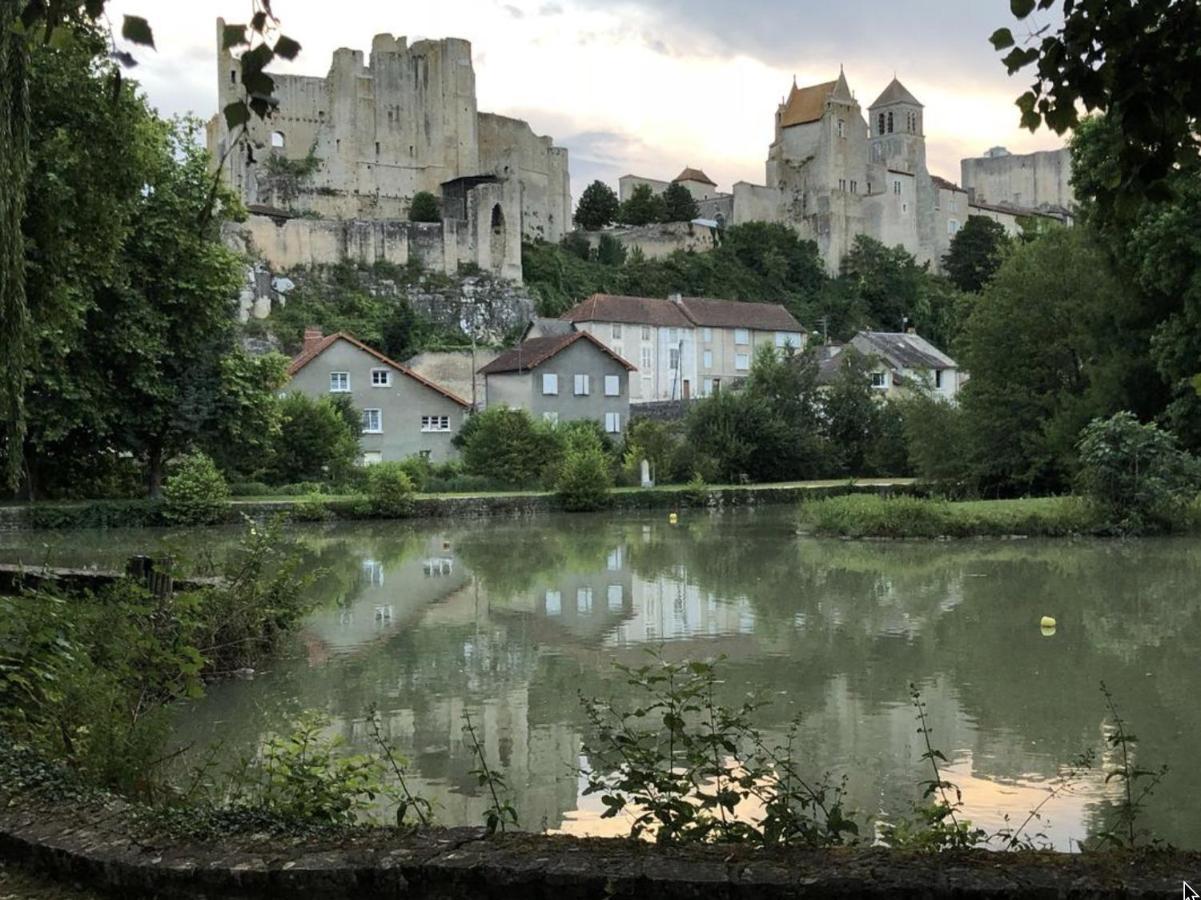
pixel 307 356
pixel 532 353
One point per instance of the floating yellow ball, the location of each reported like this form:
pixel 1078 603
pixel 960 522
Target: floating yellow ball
pixel 1047 622
pixel 673 518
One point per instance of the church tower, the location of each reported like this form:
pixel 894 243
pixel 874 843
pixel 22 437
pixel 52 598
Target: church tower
pixel 897 134
pixel 903 197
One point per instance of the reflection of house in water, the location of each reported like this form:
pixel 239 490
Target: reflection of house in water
pixel 388 594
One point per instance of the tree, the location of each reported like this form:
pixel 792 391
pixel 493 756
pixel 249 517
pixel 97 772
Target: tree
pixel 642 207
pixel 1154 246
pixel 67 27
pixel 508 446
pixel 14 314
pixel 1135 61
pixel 400 332
pixel 678 204
pixel 597 207
pixel 424 208
pixel 886 283
pixel 610 251
pixel 771 429
pixel 315 442
pixel 1135 473
pixel 1041 370
pixel 976 252
pixel 851 414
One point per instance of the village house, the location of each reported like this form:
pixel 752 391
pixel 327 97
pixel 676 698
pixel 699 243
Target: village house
pixel 685 347
pixel 897 362
pixel 403 413
pixel 562 378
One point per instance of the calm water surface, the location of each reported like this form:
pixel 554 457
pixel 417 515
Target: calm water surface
pixel 511 620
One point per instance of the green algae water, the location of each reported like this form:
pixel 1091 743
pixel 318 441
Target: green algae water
pixel 511 620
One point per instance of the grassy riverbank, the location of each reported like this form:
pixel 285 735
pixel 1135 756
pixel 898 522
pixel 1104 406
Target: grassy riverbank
pixel 870 516
pixel 319 507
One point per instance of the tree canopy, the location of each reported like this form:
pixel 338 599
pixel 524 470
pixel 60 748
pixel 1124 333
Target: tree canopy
pixel 976 251
pixel 1135 60
pixel 678 204
pixel 597 207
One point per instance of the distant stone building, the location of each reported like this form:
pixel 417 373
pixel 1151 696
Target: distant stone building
pixel 834 174
pixel 330 175
pixel 1031 180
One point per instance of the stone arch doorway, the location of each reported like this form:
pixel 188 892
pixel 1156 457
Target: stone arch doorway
pixel 496 248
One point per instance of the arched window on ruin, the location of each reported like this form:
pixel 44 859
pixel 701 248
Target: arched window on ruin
pixel 890 123
pixel 277 140
pixel 496 249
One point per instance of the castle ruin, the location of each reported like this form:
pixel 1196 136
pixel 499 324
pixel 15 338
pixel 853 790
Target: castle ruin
pixel 331 174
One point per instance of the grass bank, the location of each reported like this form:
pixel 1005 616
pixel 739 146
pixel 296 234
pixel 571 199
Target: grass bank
pixel 871 516
pixel 351 507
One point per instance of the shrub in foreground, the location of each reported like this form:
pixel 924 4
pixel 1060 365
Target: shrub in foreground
pixel 390 490
pixel 196 494
pixel 584 481
pixel 1136 474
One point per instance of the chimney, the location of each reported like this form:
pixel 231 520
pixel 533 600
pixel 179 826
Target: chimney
pixel 676 298
pixel 312 337
pixel 911 330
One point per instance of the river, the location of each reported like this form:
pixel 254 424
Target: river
pixel 512 620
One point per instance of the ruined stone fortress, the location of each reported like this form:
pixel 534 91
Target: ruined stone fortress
pixel 833 175
pixel 331 174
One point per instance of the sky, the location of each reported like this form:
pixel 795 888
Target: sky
pixel 648 86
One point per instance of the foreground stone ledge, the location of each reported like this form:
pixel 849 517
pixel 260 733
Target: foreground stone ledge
pixel 94 846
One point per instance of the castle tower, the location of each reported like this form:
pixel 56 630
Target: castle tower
pixel 895 122
pixel 902 207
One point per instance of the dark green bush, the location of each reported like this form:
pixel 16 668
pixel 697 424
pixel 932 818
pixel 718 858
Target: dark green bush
pixel 1137 475
pixel 195 493
pixel 509 447
pixel 98 514
pixel 584 478
pixel 250 489
pixel 390 490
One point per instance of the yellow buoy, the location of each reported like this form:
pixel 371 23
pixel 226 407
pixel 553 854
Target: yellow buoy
pixel 673 518
pixel 1047 622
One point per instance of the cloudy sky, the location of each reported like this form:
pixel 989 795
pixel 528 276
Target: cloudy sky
pixel 649 86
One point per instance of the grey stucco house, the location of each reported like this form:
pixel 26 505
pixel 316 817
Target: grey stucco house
pixel 562 378
pixel 403 413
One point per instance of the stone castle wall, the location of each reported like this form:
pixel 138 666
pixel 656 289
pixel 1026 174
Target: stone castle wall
pixel 1032 180
pixel 342 157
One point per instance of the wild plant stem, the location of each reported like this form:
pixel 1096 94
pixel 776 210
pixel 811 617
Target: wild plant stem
pixel 479 752
pixel 386 748
pixel 938 781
